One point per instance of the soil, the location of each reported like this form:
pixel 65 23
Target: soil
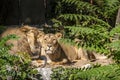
pixel 100 60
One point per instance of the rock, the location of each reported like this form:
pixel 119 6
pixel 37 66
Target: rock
pixel 45 72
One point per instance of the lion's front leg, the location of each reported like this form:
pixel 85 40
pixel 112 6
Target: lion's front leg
pixel 40 62
pixel 64 61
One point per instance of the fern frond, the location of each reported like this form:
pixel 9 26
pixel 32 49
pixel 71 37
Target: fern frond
pixel 111 12
pixel 86 30
pixel 115 30
pixel 75 17
pixel 81 5
pixel 90 39
pixel 56 22
pixel 11 64
pixel 111 3
pixel 110 72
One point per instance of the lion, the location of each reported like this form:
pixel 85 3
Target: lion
pixel 27 42
pixel 52 50
pixel 32 35
pixel 60 53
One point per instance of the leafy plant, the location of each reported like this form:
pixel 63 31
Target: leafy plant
pixel 88 22
pixel 114 46
pixel 17 66
pixel 110 72
pixel 63 73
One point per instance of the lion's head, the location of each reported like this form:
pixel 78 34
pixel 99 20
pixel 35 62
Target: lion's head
pixel 32 34
pixel 50 42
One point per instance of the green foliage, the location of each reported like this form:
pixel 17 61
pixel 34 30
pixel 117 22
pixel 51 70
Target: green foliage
pixel 84 19
pixel 91 39
pixel 92 24
pixel 17 66
pixel 3 40
pixel 80 12
pixel 88 22
pixel 110 72
pixel 63 73
pixel 115 31
pixel 114 46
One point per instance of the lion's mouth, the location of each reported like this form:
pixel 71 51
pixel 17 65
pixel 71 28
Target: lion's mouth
pixel 48 51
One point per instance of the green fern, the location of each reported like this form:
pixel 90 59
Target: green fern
pixel 115 30
pixel 110 72
pixel 91 39
pixel 114 46
pixel 102 73
pixel 82 7
pixel 89 19
pixel 88 22
pixel 103 9
pixel 11 65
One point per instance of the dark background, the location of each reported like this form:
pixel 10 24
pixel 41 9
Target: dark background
pixel 17 12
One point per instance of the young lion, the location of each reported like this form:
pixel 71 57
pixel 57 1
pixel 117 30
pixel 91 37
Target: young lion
pixel 27 41
pixel 52 50
pixel 59 53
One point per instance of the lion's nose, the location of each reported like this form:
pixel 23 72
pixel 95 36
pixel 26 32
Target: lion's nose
pixel 49 45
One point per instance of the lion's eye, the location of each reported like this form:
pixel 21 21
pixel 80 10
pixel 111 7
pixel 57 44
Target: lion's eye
pixel 45 39
pixel 54 40
pixel 40 35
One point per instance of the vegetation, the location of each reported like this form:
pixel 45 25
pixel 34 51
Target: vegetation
pixel 110 72
pixel 114 46
pixel 17 66
pixel 91 23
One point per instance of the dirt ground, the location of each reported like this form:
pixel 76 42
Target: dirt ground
pixel 100 59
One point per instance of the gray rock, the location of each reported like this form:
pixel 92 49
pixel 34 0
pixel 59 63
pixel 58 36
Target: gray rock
pixel 45 72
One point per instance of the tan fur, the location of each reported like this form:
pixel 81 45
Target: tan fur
pixel 27 41
pixel 32 35
pixel 75 53
pixel 60 52
pixel 19 45
pixel 52 50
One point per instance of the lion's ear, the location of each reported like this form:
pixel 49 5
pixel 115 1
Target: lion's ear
pixel 25 28
pixel 40 36
pixel 58 35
